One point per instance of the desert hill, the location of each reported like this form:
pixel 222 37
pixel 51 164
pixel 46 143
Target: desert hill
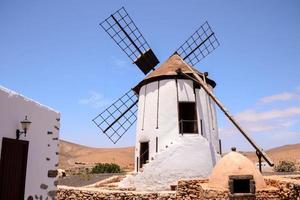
pixel 73 155
pixel 287 152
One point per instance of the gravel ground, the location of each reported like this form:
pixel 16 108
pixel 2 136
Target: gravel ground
pixel 83 180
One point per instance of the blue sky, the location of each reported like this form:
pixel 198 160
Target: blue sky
pixel 56 53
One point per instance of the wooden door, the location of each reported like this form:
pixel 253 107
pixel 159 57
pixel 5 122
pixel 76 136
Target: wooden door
pixel 13 166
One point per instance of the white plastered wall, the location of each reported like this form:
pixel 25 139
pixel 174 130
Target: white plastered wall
pixel 201 112
pixel 215 130
pixel 168 128
pixel 202 101
pixel 207 112
pixel 158 114
pixel 147 118
pixel 42 136
pixel 185 90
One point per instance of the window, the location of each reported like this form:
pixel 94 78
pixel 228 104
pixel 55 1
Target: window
pixel 187 117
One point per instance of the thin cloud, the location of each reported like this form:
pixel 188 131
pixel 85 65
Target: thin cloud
pixel 289 123
pixel 95 100
pixel 254 116
pixel 267 126
pixel 284 136
pixel 260 127
pixel 272 126
pixel 285 96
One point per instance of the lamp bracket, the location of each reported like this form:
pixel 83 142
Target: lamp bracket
pixel 19 133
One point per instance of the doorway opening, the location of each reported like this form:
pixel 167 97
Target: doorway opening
pixel 187 117
pixel 144 153
pixel 241 184
pixel 13 167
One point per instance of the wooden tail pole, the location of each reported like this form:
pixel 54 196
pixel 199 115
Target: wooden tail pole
pixel 259 160
pixel 228 115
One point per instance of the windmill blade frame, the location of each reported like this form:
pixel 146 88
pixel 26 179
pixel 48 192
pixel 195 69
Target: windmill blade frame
pixel 199 45
pixel 121 28
pixel 116 120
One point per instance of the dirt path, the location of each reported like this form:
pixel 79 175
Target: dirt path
pixel 83 180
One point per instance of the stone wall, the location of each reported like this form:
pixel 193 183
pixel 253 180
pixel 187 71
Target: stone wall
pixel 190 189
pixel 68 193
pixel 288 188
pixel 278 189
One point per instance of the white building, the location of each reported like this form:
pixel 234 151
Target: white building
pixel 177 132
pixel 28 164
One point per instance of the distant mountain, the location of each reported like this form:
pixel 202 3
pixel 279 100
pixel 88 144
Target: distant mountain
pixel 75 155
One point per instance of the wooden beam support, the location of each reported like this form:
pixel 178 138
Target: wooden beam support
pixel 199 80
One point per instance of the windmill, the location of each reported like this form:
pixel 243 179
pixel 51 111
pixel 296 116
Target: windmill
pixel 158 122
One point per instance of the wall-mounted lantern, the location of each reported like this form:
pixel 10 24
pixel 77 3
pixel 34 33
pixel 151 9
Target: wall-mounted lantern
pixel 25 126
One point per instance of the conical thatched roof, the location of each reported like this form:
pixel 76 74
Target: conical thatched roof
pixel 168 70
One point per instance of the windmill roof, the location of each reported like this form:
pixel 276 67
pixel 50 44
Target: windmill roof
pixel 168 70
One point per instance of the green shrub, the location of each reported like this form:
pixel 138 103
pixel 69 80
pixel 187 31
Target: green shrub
pixel 285 166
pixel 106 168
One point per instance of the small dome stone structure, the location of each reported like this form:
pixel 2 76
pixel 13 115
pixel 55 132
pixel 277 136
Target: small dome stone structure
pixel 234 164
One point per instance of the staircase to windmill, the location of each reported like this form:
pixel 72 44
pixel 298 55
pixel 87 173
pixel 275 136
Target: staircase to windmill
pixel 111 183
pixel 170 163
pixel 141 169
pixel 190 149
pixel 156 156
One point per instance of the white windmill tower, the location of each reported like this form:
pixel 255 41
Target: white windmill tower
pixel 177 128
pixel 172 107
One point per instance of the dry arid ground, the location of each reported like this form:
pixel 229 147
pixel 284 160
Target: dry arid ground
pixel 289 152
pixel 71 155
pixel 75 155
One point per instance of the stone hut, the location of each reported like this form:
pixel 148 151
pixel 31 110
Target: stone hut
pixel 237 174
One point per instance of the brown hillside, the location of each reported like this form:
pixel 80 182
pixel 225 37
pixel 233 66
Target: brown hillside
pixel 287 152
pixel 71 153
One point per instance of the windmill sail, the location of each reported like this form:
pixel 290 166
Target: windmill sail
pixel 124 32
pixel 198 45
pixel 115 120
